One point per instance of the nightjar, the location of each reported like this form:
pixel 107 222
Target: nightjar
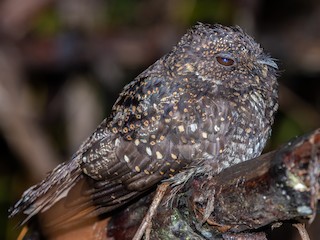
pixel 206 105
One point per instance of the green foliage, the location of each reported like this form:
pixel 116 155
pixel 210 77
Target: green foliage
pixel 47 23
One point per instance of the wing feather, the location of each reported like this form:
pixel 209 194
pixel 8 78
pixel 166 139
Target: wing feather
pixel 140 145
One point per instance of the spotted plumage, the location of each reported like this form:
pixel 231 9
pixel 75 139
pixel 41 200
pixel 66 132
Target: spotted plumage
pixel 206 105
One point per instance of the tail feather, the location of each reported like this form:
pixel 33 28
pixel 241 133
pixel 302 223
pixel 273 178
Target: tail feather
pixel 53 188
pixel 67 198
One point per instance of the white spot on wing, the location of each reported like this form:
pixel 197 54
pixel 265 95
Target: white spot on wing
pixel 159 155
pixel 117 142
pixel 148 150
pixel 205 135
pixel 126 158
pixel 193 127
pixel 181 128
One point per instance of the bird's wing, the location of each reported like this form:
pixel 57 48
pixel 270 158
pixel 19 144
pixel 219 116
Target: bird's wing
pixel 155 142
pixel 147 140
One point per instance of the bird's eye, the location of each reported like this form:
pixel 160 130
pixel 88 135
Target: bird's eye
pixel 225 61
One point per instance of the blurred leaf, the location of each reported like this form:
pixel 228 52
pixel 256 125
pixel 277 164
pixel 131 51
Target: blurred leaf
pixel 213 11
pixel 284 130
pixel 120 12
pixel 47 23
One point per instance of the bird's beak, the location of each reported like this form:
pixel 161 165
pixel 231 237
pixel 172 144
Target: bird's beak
pixel 269 62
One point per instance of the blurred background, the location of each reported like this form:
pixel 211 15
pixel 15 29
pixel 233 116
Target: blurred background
pixel 63 63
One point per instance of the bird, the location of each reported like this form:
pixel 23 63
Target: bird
pixel 206 105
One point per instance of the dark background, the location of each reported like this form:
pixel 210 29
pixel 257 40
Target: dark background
pixel 63 63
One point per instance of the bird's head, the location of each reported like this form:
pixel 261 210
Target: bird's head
pixel 224 56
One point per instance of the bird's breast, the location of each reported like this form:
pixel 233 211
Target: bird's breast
pixel 251 129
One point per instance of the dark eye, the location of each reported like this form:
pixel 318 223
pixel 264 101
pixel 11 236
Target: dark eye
pixel 225 61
